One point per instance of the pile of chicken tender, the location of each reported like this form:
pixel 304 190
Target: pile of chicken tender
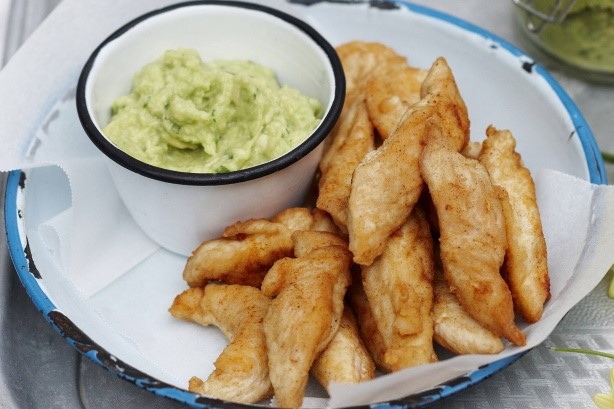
pixel 416 236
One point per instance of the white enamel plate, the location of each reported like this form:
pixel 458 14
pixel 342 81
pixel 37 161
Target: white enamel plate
pixel 125 327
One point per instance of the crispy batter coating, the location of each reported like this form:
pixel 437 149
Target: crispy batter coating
pixel 309 240
pixel 304 315
pixel 353 139
pixel 323 222
pixel 526 264
pixel 241 371
pixel 242 255
pixel 455 330
pixel 387 183
pixel 390 92
pixel 472 150
pixel 345 359
pixel 301 218
pixel 294 218
pixel 399 286
pixel 374 342
pixel 472 234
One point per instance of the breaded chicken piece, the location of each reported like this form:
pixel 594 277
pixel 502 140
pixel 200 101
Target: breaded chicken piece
pixel 242 255
pixel 387 183
pixel 455 330
pixel 472 234
pixel 526 264
pixel 304 315
pixel 353 138
pixel 248 249
pixel 241 371
pixel 345 359
pixel 390 92
pixel 373 340
pixel 361 59
pixel 399 286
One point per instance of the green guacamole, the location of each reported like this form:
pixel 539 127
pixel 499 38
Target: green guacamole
pixel 586 37
pixel 187 115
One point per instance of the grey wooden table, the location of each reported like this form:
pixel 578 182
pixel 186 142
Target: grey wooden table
pixel 39 370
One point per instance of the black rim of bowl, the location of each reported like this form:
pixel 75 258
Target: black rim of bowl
pixel 201 179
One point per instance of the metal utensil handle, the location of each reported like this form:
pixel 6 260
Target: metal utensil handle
pixel 537 19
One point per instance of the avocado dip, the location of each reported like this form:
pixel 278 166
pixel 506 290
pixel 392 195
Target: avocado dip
pixel 209 117
pixel 585 38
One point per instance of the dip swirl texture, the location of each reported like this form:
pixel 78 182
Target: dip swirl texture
pixel 187 115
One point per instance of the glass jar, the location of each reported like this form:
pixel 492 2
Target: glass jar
pixel 577 35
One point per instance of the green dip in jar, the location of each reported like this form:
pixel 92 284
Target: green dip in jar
pixel 584 39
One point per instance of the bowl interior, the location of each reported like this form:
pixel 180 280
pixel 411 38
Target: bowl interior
pixel 217 32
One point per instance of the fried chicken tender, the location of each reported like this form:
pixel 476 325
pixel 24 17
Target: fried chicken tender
pixel 242 255
pixel 455 330
pixel 353 139
pixel 361 59
pixel 399 286
pixel 390 92
pixel 387 183
pixel 247 249
pixel 392 88
pixel 374 342
pixel 305 314
pixel 526 266
pixel 241 371
pixel 472 234
pixel 345 359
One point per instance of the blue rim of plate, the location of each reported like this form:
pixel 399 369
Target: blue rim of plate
pixel 29 275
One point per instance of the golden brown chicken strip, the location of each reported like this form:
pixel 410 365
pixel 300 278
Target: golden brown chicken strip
pixel 374 342
pixel 353 139
pixel 387 183
pixel 304 315
pixel 345 359
pixel 390 92
pixel 242 255
pixel 248 249
pixel 455 330
pixel 353 136
pixel 526 264
pixel 241 371
pixel 472 234
pixel 399 286
pixel 360 59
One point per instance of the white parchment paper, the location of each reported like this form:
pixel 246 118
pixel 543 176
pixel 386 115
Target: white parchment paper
pixel 95 242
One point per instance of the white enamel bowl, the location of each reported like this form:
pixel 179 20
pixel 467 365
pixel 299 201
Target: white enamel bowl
pixel 179 210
